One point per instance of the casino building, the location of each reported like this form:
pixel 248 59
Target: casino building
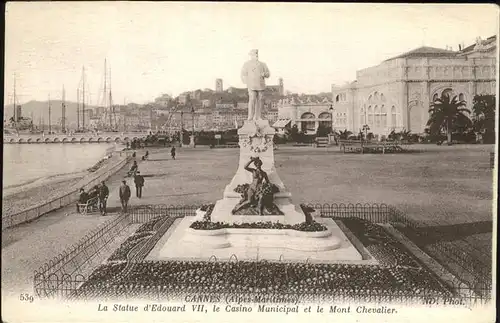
pixel 396 94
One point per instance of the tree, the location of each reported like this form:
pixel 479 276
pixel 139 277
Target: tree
pixel 405 135
pixel 294 133
pixel 484 116
pixel 445 113
pixel 393 135
pixel 323 131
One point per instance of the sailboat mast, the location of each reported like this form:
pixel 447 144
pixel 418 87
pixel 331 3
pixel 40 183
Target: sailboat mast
pixel 83 100
pixel 78 109
pixel 49 116
pixel 111 107
pixel 106 92
pixel 14 99
pixel 63 111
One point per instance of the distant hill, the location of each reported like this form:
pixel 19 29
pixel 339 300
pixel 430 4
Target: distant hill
pixel 41 108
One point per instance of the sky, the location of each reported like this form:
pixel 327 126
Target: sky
pixel 153 48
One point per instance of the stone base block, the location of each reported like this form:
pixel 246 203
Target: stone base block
pixel 222 213
pixel 184 243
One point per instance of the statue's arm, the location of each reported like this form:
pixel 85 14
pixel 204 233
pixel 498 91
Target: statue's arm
pixel 265 177
pixel 244 72
pixel 247 166
pixel 266 72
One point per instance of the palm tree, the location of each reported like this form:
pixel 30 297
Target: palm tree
pixel 445 112
pixel 405 135
pixel 484 116
pixel 345 134
pixel 393 135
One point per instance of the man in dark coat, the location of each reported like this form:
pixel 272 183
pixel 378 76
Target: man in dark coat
pixel 124 195
pixel 103 197
pixel 139 183
pixel 84 197
pixel 172 152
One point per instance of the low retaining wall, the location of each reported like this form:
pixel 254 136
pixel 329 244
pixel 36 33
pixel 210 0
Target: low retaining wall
pixel 57 203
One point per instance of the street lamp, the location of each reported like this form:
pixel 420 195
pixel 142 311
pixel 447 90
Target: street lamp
pixel 331 117
pixel 192 144
pixel 365 129
pixel 182 129
pixel 332 130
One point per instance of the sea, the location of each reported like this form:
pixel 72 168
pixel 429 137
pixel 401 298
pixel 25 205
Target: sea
pixel 27 163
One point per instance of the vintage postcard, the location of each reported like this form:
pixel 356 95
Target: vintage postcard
pixel 195 161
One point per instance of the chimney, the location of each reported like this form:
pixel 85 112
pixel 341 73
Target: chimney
pixel 459 47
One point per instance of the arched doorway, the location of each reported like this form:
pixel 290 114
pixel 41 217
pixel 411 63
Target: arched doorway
pixel 325 120
pixel 308 126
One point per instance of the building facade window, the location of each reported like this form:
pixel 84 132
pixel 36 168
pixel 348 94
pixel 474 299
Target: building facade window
pixel 308 126
pixel 447 92
pixel 370 115
pixel 393 117
pixel 326 120
pixel 383 116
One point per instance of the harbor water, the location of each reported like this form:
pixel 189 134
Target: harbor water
pixel 23 164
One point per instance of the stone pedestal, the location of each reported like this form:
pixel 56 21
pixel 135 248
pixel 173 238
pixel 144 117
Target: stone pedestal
pixel 183 242
pixel 330 246
pixel 256 140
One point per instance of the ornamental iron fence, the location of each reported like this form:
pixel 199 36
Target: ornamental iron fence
pixel 62 276
pixel 76 259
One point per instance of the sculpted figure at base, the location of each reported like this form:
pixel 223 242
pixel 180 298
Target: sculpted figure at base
pixel 253 74
pixel 258 195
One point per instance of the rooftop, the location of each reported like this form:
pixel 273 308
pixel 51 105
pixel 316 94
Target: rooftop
pixel 485 42
pixel 426 51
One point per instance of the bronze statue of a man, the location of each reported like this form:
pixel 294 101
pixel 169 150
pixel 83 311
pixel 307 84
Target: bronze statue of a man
pixel 253 74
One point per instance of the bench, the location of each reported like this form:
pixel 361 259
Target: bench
pixel 229 145
pixel 92 205
pixel 351 145
pixel 370 146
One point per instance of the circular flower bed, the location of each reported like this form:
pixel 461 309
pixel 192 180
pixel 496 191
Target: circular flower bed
pixel 310 227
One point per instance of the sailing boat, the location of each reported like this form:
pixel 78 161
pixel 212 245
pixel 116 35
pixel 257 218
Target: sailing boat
pixel 17 121
pixel 109 116
pixel 80 108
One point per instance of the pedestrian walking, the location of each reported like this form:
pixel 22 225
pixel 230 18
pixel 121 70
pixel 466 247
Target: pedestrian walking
pixel 172 152
pixel 103 198
pixel 124 195
pixel 139 183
